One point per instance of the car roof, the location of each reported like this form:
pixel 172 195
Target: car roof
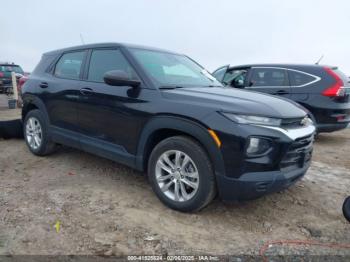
pixel 293 66
pixel 105 45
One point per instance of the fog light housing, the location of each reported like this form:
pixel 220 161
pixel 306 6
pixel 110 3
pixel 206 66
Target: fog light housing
pixel 258 146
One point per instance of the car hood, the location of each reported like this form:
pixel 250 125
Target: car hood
pixel 236 101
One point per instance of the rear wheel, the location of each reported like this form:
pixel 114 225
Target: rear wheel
pixel 36 134
pixel 181 174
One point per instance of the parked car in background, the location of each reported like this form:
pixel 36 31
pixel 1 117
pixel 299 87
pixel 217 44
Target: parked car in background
pixel 21 82
pixel 323 90
pixel 5 75
pixel 160 112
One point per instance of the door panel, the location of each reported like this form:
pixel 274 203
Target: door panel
pixel 269 80
pixel 108 113
pixel 60 91
pixel 61 103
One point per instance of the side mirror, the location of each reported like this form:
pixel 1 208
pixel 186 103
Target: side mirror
pixel 119 78
pixel 238 83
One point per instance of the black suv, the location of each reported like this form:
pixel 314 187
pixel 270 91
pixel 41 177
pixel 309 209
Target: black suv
pixel 161 112
pixel 323 90
pixel 5 75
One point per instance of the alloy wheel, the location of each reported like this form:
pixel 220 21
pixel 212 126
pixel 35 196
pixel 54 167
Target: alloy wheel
pixel 177 175
pixel 33 133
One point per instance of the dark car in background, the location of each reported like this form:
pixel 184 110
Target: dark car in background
pixel 5 75
pixel 162 113
pixel 322 90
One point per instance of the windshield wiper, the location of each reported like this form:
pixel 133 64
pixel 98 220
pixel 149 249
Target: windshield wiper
pixel 170 87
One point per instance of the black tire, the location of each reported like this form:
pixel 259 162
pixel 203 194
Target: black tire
pixel 46 146
pixel 346 208
pixel 206 190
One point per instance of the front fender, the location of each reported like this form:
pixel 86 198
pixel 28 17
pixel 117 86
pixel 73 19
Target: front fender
pixel 186 126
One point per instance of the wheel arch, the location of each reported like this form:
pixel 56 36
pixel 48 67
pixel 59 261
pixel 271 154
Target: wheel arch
pixel 162 127
pixel 32 102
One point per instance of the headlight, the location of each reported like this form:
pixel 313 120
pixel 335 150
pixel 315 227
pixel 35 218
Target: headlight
pixel 253 120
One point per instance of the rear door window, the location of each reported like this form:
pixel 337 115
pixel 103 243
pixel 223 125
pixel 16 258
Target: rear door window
pixel 69 65
pixel 105 60
pixel 268 77
pixel 300 79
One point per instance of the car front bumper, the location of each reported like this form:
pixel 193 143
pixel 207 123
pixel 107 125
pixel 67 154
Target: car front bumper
pixel 254 185
pixel 252 177
pixel 327 128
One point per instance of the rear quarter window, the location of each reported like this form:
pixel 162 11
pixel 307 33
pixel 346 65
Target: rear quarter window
pixel 299 78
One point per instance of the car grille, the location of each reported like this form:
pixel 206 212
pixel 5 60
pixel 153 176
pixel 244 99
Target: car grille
pixel 299 154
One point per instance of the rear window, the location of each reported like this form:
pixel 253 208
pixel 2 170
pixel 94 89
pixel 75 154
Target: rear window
pixel 11 68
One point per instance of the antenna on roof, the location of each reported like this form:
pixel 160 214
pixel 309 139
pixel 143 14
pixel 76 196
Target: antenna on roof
pixel 82 39
pixel 319 60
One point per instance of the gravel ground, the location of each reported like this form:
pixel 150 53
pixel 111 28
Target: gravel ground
pixel 107 209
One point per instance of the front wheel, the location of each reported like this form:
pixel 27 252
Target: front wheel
pixel 181 174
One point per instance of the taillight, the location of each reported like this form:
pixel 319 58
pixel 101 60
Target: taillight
pixel 21 82
pixel 337 89
pixel 1 74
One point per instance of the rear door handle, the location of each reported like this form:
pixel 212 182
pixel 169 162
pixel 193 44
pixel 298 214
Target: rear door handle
pixel 86 91
pixel 44 85
pixel 281 92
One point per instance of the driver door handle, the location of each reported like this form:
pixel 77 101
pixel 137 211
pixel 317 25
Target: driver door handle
pixel 44 85
pixel 281 92
pixel 86 91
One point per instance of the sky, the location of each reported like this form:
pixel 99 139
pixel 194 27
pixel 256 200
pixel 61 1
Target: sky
pixel 214 33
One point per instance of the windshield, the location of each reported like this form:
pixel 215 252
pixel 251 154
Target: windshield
pixel 173 70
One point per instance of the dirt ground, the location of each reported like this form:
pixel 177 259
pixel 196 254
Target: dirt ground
pixel 106 208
